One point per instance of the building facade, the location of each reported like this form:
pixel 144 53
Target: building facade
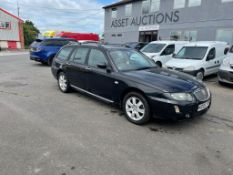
pixel 11 31
pixel 149 20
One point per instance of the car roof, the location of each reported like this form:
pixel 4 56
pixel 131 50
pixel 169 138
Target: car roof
pixel 206 43
pixel 168 42
pixel 59 39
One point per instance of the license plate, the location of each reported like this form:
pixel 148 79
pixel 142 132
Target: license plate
pixel 203 106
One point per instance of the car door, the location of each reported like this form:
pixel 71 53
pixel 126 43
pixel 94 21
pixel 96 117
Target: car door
pixel 211 62
pixel 100 81
pixel 166 55
pixel 76 68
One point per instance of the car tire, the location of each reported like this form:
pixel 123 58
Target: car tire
pixel 63 83
pixel 50 61
pixel 136 108
pixel 159 64
pixel 200 75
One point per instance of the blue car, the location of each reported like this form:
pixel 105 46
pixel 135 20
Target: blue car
pixel 44 50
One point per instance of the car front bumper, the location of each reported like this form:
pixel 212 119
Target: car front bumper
pixel 167 109
pixel 225 76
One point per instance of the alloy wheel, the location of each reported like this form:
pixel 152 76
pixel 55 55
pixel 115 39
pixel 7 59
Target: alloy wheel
pixel 135 108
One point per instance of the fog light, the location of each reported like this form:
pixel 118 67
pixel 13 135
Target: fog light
pixel 177 109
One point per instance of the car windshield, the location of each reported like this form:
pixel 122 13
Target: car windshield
pixel 193 53
pixel 127 60
pixel 153 48
pixel 54 42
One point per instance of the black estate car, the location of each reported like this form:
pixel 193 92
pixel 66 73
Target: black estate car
pixel 129 79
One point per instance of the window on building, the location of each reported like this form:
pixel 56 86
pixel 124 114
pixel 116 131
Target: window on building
pixel 128 10
pixel 176 35
pixel 227 0
pixel 114 12
pixel 193 3
pixel 155 5
pixel 179 4
pixel 145 6
pixel 5 25
pixel 190 35
pixel 224 35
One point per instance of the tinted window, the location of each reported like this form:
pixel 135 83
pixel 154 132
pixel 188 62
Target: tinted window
pixel 96 57
pixel 231 50
pixel 79 55
pixel 64 53
pixel 153 48
pixel 212 53
pixel 54 43
pixel 130 60
pixel 195 53
pixel 169 50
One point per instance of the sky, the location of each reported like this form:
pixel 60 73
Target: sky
pixel 61 15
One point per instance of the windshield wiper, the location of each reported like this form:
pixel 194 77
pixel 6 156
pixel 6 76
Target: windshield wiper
pixel 143 68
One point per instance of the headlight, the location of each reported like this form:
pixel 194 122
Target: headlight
pixel 190 68
pixel 182 97
pixel 226 62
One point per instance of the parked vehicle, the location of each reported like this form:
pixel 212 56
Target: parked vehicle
pixel 135 45
pixel 225 74
pixel 199 58
pixel 79 36
pixel 45 50
pixel 161 51
pixel 131 80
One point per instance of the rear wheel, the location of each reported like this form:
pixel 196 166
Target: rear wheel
pixel 136 108
pixel 63 82
pixel 50 61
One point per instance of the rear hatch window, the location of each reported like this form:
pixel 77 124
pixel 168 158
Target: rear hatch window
pixel 54 43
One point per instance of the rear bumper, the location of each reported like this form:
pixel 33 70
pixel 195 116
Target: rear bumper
pixel 37 57
pixel 225 76
pixel 167 110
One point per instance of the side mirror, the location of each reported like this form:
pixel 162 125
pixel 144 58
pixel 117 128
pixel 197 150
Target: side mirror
pixel 102 65
pixel 173 55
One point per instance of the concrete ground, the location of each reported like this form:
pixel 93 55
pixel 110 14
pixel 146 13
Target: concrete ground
pixel 46 132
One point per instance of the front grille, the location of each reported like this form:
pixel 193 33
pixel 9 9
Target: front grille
pixel 202 94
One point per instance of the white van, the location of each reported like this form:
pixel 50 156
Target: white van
pixel 225 74
pixel 161 51
pixel 199 58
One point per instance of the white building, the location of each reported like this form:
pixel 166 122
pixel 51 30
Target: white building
pixel 11 31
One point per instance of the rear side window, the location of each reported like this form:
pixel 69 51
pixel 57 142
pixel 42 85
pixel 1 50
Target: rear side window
pixel 80 55
pixel 54 43
pixel 96 57
pixel 64 53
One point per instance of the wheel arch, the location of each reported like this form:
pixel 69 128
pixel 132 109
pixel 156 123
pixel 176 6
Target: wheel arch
pixel 128 90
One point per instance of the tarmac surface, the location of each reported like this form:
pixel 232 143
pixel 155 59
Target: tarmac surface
pixel 46 132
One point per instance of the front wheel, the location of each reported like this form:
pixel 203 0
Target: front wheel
pixel 136 108
pixel 63 82
pixel 200 75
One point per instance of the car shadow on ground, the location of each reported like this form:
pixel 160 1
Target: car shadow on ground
pixel 154 125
